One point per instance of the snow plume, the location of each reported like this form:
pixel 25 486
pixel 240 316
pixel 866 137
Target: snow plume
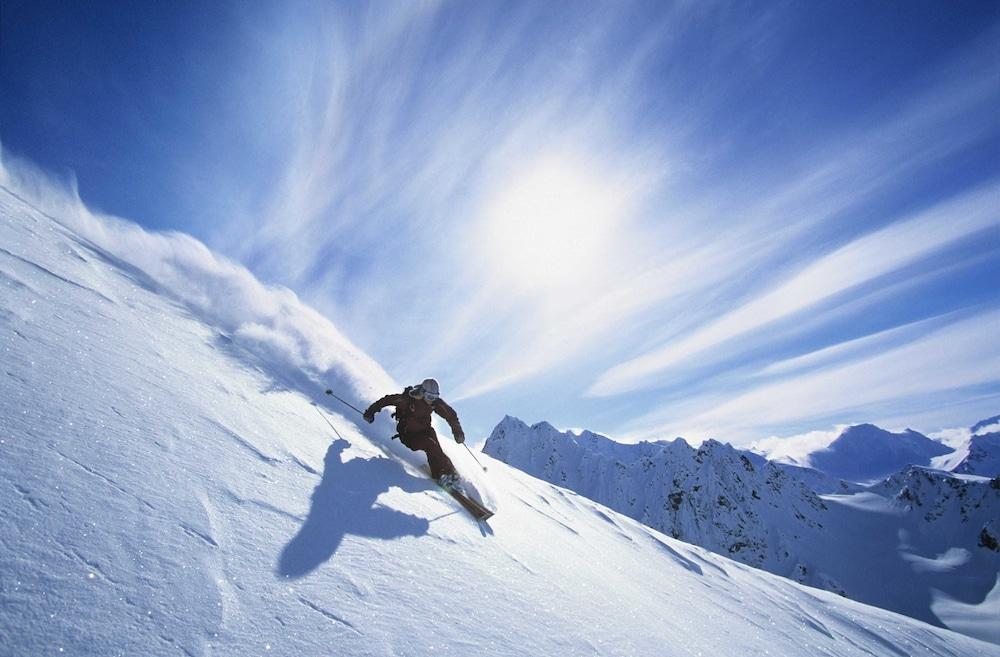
pixel 982 429
pixel 796 449
pixel 299 347
pixel 955 437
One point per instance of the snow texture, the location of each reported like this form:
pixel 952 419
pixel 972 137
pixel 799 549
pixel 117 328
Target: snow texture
pixel 913 544
pixel 169 488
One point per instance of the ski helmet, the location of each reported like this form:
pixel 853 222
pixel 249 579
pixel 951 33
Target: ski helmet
pixel 429 389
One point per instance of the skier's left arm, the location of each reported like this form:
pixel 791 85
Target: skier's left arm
pixel 388 400
pixel 451 417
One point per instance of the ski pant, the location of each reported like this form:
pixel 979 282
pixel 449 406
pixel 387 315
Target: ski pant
pixel 427 441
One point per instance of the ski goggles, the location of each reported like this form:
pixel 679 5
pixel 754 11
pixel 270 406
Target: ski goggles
pixel 420 393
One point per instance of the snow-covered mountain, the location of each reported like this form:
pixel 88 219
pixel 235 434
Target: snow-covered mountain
pixel 169 488
pixel 980 455
pixel 731 502
pixel 967 502
pixel 918 543
pixel 865 453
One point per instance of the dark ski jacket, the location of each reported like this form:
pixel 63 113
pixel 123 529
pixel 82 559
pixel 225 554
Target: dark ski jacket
pixel 414 415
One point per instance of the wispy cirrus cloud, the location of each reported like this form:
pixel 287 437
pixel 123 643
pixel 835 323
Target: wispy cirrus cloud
pixel 592 212
pixel 960 355
pixel 860 261
pixel 460 194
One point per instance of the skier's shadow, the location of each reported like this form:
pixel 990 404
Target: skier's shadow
pixel 344 503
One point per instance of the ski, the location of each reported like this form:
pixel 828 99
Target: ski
pixel 477 510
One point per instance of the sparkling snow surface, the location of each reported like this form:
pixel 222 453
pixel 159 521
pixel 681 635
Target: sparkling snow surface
pixel 168 489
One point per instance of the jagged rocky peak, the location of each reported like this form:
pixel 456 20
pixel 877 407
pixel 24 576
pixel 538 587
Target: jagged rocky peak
pixel 918 486
pixel 714 495
pixel 509 419
pixel 960 506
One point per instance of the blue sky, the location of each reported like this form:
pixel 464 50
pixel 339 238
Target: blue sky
pixel 728 220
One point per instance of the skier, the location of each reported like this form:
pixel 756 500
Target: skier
pixel 413 423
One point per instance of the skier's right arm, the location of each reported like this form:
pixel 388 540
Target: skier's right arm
pixel 388 400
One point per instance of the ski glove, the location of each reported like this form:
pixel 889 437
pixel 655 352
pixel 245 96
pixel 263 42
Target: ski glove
pixel 369 417
pixel 460 438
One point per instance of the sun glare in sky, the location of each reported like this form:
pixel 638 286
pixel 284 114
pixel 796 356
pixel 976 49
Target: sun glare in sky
pixel 552 224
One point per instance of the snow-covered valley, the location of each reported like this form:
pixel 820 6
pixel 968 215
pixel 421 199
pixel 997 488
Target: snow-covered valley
pixel 169 488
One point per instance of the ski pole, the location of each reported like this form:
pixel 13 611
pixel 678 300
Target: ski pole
pixel 474 458
pixel 323 415
pixel 330 392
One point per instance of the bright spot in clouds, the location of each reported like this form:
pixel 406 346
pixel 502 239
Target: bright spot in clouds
pixel 552 224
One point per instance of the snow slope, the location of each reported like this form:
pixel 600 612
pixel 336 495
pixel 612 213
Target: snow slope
pixel 820 482
pixel 169 489
pixel 913 544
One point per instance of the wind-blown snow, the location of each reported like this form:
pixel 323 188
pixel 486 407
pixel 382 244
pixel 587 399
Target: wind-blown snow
pixel 290 339
pixel 169 490
pixel 796 449
pixel 989 425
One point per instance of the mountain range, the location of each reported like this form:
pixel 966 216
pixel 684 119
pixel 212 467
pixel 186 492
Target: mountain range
pixel 922 542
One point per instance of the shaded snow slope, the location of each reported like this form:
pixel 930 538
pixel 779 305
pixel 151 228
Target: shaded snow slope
pixel 923 556
pixel 167 492
pixel 865 453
